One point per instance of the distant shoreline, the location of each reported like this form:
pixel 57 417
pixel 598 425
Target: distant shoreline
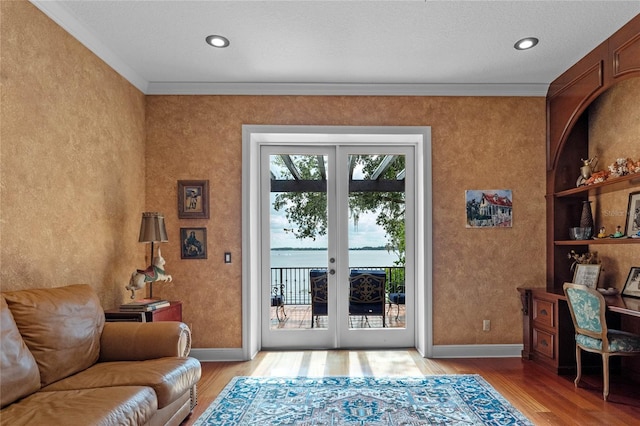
pixel 323 249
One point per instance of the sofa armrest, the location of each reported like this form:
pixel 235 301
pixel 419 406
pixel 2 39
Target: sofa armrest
pixel 136 341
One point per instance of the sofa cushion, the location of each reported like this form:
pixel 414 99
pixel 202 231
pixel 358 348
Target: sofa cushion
pixel 169 377
pixel 19 375
pixel 61 327
pixel 131 405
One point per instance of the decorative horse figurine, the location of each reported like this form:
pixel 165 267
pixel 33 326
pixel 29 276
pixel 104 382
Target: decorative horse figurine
pixel 153 273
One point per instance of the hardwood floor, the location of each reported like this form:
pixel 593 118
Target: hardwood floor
pixel 544 397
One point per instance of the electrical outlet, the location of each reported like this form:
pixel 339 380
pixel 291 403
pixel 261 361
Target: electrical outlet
pixel 486 325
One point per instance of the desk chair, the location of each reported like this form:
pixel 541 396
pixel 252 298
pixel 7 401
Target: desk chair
pixel 587 307
pixel 318 282
pixel 367 293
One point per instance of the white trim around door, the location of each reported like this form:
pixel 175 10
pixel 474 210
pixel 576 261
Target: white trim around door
pixel 255 136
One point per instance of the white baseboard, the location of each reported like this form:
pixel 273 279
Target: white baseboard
pixel 213 354
pixel 439 351
pixel 476 351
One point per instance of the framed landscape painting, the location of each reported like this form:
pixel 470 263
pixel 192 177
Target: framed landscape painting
pixel 489 208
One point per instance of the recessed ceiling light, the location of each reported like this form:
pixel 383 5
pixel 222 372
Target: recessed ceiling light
pixel 526 43
pixel 217 41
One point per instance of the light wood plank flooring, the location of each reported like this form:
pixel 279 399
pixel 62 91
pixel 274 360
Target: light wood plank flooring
pixel 544 397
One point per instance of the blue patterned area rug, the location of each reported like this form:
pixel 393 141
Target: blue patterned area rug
pixel 370 401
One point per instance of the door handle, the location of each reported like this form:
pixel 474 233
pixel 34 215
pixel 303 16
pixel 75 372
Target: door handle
pixel 332 260
pixel 332 271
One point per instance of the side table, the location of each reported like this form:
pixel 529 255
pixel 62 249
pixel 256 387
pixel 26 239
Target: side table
pixel 168 313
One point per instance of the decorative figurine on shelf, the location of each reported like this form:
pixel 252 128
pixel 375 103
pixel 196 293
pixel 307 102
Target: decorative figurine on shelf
pixel 586 170
pixel 602 233
pixel 618 233
pixel 153 273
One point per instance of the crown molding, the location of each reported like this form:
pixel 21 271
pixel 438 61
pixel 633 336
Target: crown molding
pixel 328 89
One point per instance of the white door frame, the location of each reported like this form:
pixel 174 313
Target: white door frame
pixel 254 136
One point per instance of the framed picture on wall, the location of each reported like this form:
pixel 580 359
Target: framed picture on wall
pixel 633 215
pixel 489 208
pixel 587 274
pixel 193 199
pixel 632 285
pixel 194 243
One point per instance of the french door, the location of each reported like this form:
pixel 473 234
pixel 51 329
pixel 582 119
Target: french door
pixel 337 254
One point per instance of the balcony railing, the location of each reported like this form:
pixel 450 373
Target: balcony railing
pixel 295 286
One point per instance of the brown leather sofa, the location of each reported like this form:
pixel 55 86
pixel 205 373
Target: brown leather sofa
pixel 62 364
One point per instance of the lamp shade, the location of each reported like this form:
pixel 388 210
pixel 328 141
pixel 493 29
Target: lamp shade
pixel 152 228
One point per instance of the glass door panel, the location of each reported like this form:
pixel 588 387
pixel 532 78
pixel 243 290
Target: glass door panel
pixel 376 202
pixel 334 246
pixel 376 241
pixel 298 241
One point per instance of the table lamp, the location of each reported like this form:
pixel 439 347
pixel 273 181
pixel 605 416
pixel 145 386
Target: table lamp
pixel 152 230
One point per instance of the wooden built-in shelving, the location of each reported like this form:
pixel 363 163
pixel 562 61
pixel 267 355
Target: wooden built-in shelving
pixel 610 185
pixel 598 241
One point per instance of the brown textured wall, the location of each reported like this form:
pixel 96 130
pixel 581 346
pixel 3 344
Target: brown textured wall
pixel 478 143
pixel 71 164
pixel 614 132
pixel 73 184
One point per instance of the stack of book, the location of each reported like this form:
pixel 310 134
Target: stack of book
pixel 144 305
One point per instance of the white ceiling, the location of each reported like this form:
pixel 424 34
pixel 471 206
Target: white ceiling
pixel 341 47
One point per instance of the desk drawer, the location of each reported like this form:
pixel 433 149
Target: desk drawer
pixel 543 313
pixel 543 343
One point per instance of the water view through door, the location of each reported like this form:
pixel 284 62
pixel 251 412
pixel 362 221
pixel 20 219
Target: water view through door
pixel 335 247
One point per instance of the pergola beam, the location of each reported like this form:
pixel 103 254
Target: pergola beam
pixel 382 167
pixel 292 167
pixel 321 186
pixel 321 167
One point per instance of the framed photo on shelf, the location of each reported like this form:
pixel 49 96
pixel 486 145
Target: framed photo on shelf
pixel 194 243
pixel 587 274
pixel 633 215
pixel 632 285
pixel 193 199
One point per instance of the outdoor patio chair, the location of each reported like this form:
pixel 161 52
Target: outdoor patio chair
pixel 367 293
pixel 588 308
pixel 397 297
pixel 318 283
pixel 277 301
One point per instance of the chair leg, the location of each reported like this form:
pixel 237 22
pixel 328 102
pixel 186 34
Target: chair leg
pixel 605 374
pixel 281 317
pixel 578 365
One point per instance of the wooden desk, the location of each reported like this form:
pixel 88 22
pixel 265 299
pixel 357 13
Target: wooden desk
pixel 548 333
pixel 627 318
pixel 623 305
pixel 168 313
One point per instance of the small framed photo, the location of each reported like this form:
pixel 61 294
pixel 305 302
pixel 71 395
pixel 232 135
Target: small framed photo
pixel 632 285
pixel 633 215
pixel 587 274
pixel 194 243
pixel 193 199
